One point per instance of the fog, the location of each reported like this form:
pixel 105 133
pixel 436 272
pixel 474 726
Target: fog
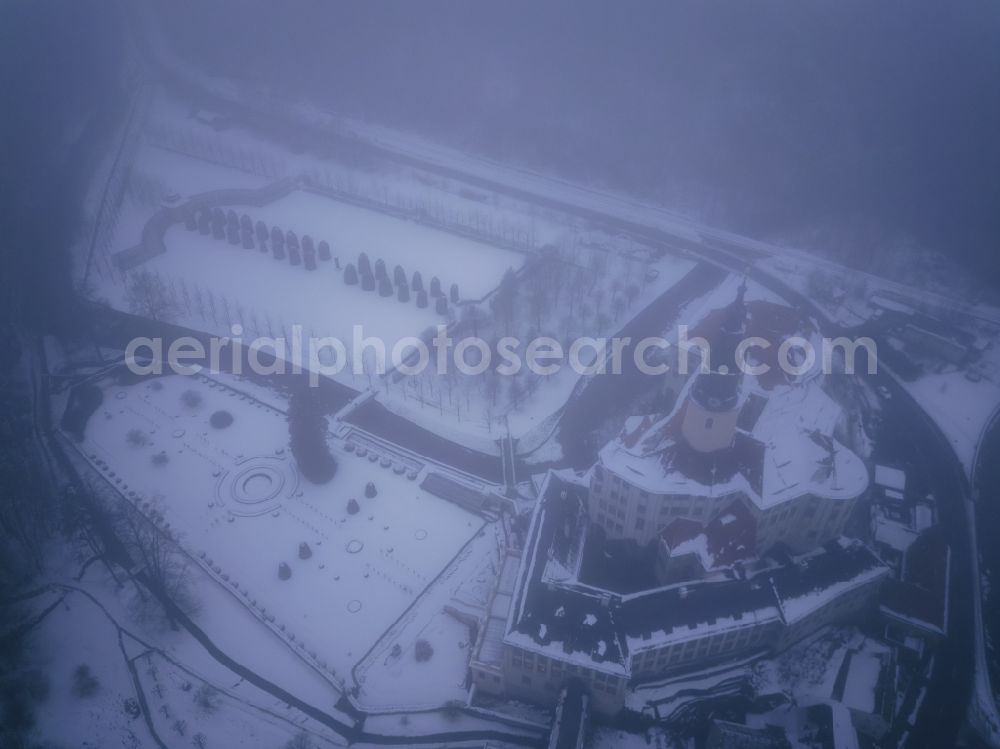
pixel 322 544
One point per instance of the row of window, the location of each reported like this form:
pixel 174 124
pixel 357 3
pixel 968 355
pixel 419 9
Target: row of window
pixel 555 670
pixel 733 640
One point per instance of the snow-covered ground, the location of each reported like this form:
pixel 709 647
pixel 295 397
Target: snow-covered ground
pixel 266 295
pixel 235 501
pixel 593 302
pixel 808 670
pixel 961 408
pixel 385 675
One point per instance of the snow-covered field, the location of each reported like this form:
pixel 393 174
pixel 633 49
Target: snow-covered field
pixel 266 295
pixel 236 503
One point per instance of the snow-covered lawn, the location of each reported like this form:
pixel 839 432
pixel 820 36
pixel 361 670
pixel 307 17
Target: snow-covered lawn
pixel 268 296
pixel 188 711
pixel 387 674
pixel 475 266
pixel 78 634
pixel 235 500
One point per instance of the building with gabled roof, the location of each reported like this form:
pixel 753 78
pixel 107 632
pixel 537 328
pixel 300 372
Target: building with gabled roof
pixel 918 602
pixel 689 550
pixel 558 628
pixel 765 441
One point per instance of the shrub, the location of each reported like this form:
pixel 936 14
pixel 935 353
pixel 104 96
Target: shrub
pixel 441 305
pixel 435 286
pixel 206 698
pixel 453 293
pixel 403 294
pixel 422 298
pixel 380 270
pixel 137 438
pixel 85 684
pixel 284 571
pixel 191 398
pixel 370 490
pixel 307 430
pixel 399 275
pixel 418 281
pixel 323 250
pixel 384 287
pixel 353 508
pixel 350 275
pixel 367 281
pixel 304 551
pixel 131 707
pixel 364 264
pixel 423 651
pixel 220 419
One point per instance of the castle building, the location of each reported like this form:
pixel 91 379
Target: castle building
pixel 546 628
pixel 745 490
pixel 766 442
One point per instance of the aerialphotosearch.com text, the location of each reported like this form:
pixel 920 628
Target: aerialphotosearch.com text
pixel 471 355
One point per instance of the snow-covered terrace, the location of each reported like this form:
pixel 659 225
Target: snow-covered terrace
pixel 233 499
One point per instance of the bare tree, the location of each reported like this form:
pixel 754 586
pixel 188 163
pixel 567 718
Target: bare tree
pixel 147 295
pixel 161 563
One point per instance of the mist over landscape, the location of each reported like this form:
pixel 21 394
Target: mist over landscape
pixel 345 393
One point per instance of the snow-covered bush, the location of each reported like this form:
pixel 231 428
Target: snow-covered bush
pixel 350 275
pixel 206 697
pixel 191 398
pixel 307 430
pixel 370 490
pixel 137 438
pixel 85 684
pixel 423 651
pixel 221 419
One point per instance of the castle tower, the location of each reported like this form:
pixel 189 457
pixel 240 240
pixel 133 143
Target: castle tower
pixel 712 409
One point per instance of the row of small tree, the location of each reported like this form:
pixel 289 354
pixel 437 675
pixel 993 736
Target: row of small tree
pixel 375 276
pixel 241 230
